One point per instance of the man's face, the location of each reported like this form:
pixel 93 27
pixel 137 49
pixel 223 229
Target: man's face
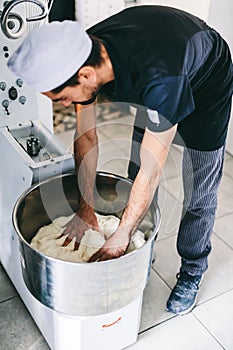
pixel 80 93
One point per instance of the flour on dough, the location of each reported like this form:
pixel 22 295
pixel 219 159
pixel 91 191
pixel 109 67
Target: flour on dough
pixel 46 240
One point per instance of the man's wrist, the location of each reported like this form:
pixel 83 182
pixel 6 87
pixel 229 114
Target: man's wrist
pixel 85 210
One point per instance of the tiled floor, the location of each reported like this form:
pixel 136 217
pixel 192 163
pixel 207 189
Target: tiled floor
pixel 210 325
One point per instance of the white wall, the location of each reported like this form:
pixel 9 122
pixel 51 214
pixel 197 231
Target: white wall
pixel 89 12
pixel 199 8
pixel 220 17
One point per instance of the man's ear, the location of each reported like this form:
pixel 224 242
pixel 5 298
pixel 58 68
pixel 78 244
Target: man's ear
pixel 87 73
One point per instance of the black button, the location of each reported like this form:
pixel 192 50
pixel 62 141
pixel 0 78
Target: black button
pixel 13 94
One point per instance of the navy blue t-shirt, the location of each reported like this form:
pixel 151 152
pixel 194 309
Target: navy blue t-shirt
pixel 174 65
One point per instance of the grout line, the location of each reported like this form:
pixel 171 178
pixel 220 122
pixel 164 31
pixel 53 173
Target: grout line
pixel 229 155
pixel 215 297
pixel 172 177
pixel 209 332
pixel 224 215
pixel 157 324
pixel 180 201
pixel 157 273
pixel 3 301
pixel 163 238
pixel 222 240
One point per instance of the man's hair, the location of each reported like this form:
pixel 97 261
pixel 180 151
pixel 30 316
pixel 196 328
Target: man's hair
pixel 95 59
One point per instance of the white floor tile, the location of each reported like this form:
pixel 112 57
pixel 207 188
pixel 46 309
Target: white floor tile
pixel 116 129
pixel 217 279
pixel 217 316
pixel 113 166
pixel 123 144
pixel 225 202
pixel 7 291
pixel 224 229
pixel 114 153
pixel 175 188
pixel 167 262
pixel 228 167
pixel 219 276
pixel 154 303
pixel 184 332
pixel 173 166
pixel 171 210
pixel 228 156
pixel 112 159
pixel 17 329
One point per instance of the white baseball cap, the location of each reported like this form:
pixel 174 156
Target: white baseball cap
pixel 51 54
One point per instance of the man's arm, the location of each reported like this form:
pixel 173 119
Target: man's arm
pixel 154 151
pixel 86 156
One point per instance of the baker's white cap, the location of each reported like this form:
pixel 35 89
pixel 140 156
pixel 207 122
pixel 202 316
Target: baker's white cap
pixel 51 54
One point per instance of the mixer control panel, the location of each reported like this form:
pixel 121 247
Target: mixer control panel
pixel 11 93
pixel 18 102
pixel 14 98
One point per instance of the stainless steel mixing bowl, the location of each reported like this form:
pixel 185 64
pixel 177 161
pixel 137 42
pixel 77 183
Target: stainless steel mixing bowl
pixel 81 289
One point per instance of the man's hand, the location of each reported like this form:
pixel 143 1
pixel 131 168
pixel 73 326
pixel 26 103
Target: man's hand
pixel 77 226
pixel 114 247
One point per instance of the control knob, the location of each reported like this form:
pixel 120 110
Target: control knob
pixel 22 100
pixel 33 146
pixel 3 85
pixel 5 104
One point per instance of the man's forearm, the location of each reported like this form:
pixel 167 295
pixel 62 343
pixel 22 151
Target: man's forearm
pixel 141 196
pixel 86 156
pixel 153 154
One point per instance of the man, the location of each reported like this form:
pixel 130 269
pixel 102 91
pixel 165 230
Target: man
pixel 180 70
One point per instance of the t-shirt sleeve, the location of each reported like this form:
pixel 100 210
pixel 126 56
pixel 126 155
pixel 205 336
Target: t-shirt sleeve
pixel 168 101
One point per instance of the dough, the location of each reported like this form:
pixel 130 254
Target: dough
pixel 46 240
